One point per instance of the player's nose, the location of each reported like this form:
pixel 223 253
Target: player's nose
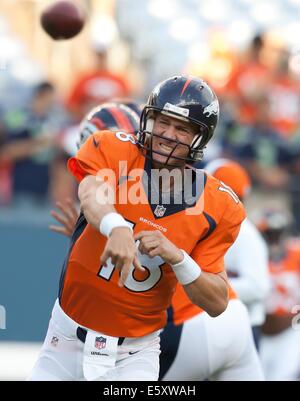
pixel 169 133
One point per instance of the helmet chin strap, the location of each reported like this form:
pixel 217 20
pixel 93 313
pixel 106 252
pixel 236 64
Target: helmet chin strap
pixel 196 143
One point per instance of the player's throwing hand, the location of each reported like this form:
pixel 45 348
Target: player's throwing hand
pixel 122 250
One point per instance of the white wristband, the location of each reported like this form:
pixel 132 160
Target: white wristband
pixel 186 271
pixel 111 221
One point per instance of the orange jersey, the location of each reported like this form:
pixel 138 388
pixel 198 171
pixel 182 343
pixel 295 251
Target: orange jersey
pixel 285 279
pixel 89 292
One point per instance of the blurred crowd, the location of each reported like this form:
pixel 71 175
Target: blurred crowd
pixel 259 127
pixel 260 120
pixel 38 133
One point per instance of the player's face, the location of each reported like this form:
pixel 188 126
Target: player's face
pixel 171 129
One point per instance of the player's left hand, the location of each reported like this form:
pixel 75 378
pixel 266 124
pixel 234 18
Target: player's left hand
pixel 68 217
pixel 154 243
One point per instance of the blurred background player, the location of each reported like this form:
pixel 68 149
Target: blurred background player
pixel 114 115
pixel 280 351
pixel 196 347
pixel 247 260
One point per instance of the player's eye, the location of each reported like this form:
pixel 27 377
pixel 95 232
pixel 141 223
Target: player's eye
pixel 183 131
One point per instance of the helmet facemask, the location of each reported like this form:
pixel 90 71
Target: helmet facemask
pixel 146 135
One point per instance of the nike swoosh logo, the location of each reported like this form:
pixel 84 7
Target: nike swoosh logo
pixel 132 353
pixel 95 142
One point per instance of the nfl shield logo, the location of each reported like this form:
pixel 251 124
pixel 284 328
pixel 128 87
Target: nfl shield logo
pixel 100 342
pixel 159 211
pixel 54 341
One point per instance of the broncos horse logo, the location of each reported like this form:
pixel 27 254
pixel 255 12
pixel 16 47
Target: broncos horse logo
pixel 212 108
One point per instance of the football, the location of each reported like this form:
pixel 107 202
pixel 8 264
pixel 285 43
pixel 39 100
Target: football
pixel 62 20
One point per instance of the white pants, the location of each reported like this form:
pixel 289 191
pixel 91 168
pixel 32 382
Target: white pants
pixel 280 355
pixel 220 348
pixel 61 357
